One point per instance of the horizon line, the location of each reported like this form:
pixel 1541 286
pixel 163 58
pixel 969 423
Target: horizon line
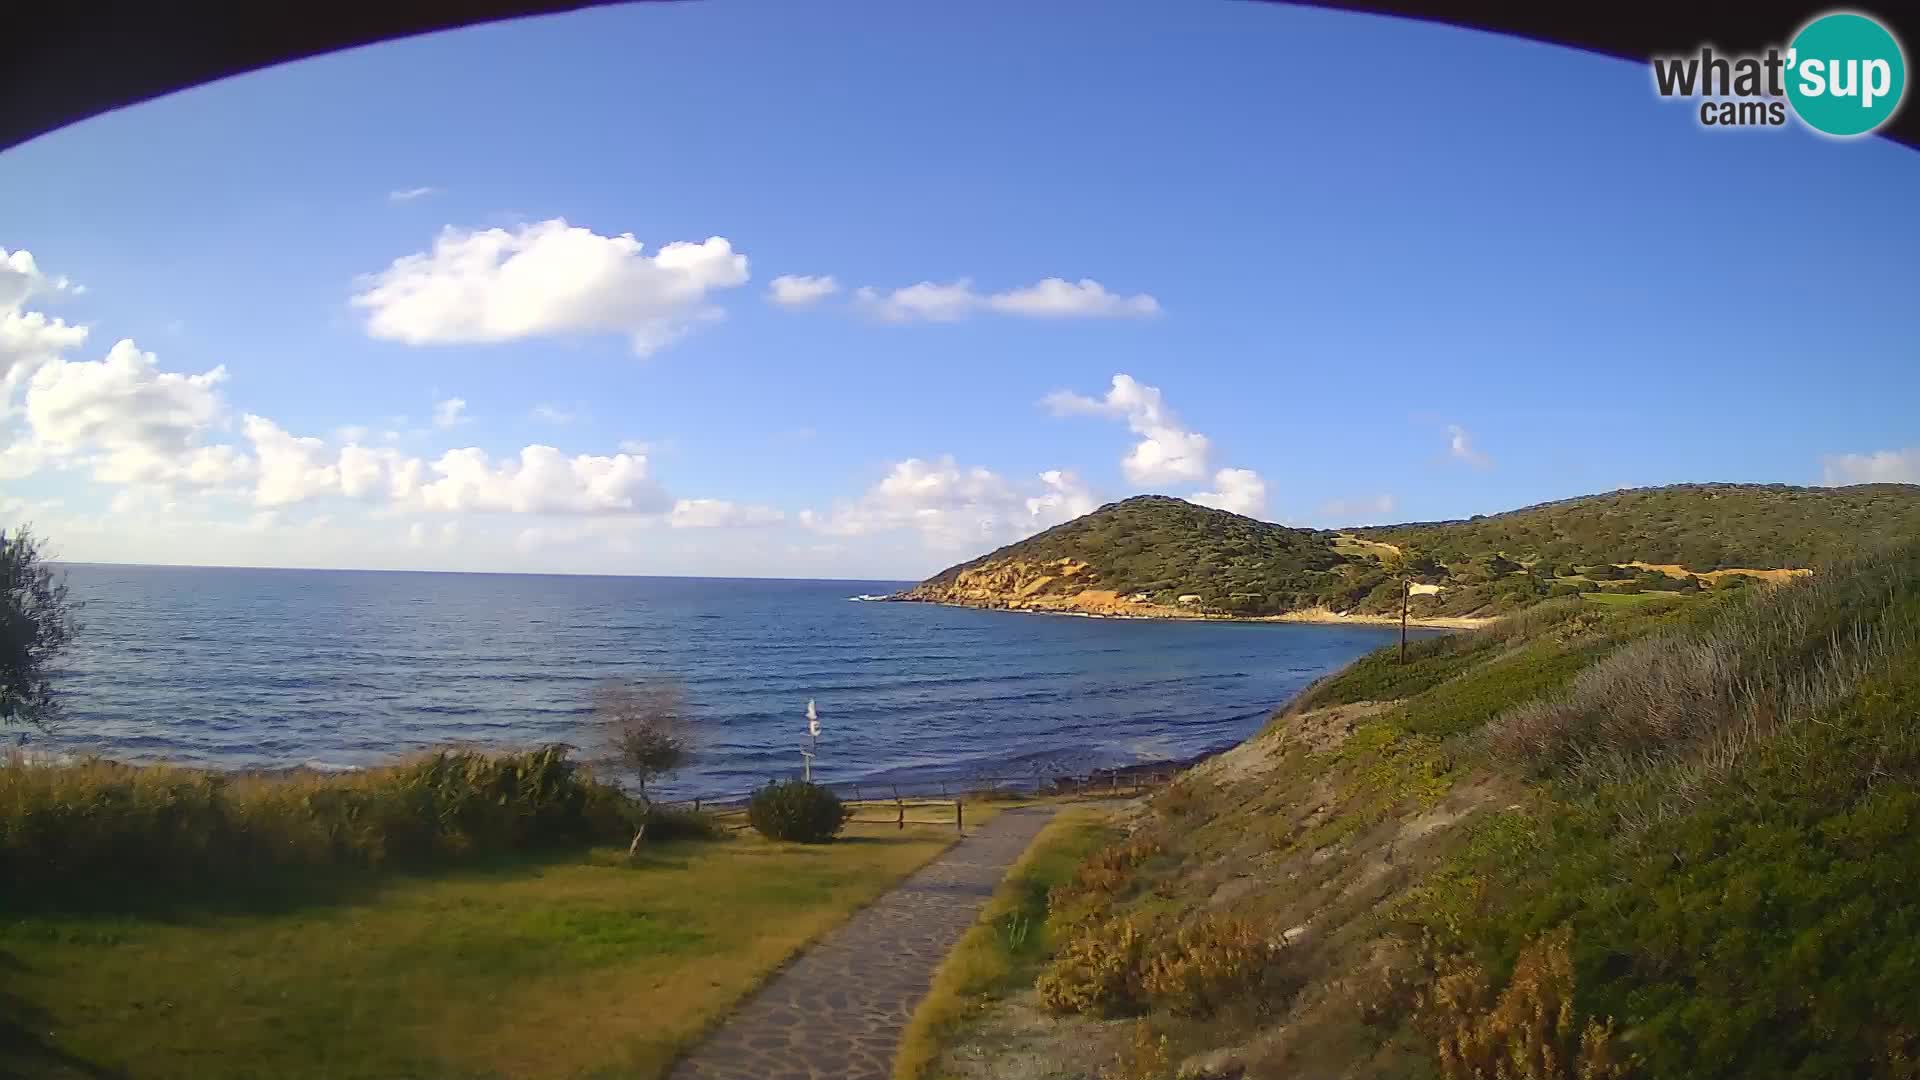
pixel 488 573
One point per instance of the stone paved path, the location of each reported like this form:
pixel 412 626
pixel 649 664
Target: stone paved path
pixel 837 1010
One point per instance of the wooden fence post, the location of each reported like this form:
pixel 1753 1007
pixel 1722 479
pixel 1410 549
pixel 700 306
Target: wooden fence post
pixel 696 806
pixel 959 817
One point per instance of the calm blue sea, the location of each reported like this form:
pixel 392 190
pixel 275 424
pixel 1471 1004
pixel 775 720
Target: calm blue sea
pixel 335 669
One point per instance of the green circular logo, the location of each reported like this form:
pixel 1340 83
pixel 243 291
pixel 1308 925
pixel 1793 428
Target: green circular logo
pixel 1845 74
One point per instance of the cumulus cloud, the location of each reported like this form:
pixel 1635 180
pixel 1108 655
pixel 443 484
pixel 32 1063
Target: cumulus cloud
pixel 402 195
pixel 719 514
pixel 1879 467
pixel 1050 298
pixel 1065 497
pixel 541 480
pixel 548 279
pixel 449 413
pixel 801 290
pixel 1166 453
pixel 1057 298
pixel 1460 447
pixel 127 419
pixel 1240 491
pixel 29 339
pixel 1362 510
pixel 21 278
pixel 953 506
pixel 291 468
pixel 378 473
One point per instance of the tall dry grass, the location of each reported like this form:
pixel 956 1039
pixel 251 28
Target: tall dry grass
pixel 1688 702
pixel 100 821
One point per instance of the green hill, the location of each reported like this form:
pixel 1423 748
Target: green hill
pixel 1154 545
pixel 1699 526
pixel 1154 555
pixel 1671 840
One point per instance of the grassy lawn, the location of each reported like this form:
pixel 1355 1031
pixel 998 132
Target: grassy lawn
pixel 1004 950
pixel 574 965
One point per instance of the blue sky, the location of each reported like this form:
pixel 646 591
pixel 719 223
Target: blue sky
pixel 1372 269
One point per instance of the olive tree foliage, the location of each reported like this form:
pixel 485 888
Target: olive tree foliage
pixel 36 625
pixel 646 735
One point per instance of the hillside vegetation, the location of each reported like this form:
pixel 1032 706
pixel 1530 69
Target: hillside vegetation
pixel 1158 556
pixel 1698 526
pixel 1673 839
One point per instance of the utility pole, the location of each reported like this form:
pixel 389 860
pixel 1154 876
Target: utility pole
pixel 1406 590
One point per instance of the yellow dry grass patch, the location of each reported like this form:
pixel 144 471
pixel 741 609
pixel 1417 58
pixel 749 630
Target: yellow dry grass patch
pixel 1675 570
pixel 1346 544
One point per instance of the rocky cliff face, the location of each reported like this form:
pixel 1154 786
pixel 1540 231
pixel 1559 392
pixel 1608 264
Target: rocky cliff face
pixel 1017 585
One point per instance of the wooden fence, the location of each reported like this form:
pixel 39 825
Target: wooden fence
pixel 943 802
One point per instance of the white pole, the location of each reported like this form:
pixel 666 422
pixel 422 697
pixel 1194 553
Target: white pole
pixel 813 742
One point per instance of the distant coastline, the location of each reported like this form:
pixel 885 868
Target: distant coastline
pixel 1319 616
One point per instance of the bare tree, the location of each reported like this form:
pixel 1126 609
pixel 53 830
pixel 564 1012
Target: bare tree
pixel 644 726
pixel 36 624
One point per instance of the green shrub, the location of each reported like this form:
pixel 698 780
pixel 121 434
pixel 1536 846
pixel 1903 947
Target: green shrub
pixel 99 822
pixel 797 810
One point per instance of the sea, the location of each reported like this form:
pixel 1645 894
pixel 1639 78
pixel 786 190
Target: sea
pixel 248 668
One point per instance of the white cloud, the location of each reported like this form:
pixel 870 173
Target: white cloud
pixel 801 290
pixel 1054 298
pixel 1057 298
pixel 1240 491
pixel 378 473
pixel 1166 452
pixel 954 507
pixel 925 302
pixel 29 339
pixel 127 419
pixel 1879 467
pixel 1460 447
pixel 449 413
pixel 548 279
pixel 409 194
pixel 1065 497
pixel 21 278
pixel 553 414
pixel 720 514
pixel 1363 510
pixel 541 480
pixel 291 469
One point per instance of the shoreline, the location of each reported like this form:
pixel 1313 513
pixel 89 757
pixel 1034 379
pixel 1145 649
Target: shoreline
pixel 1303 616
